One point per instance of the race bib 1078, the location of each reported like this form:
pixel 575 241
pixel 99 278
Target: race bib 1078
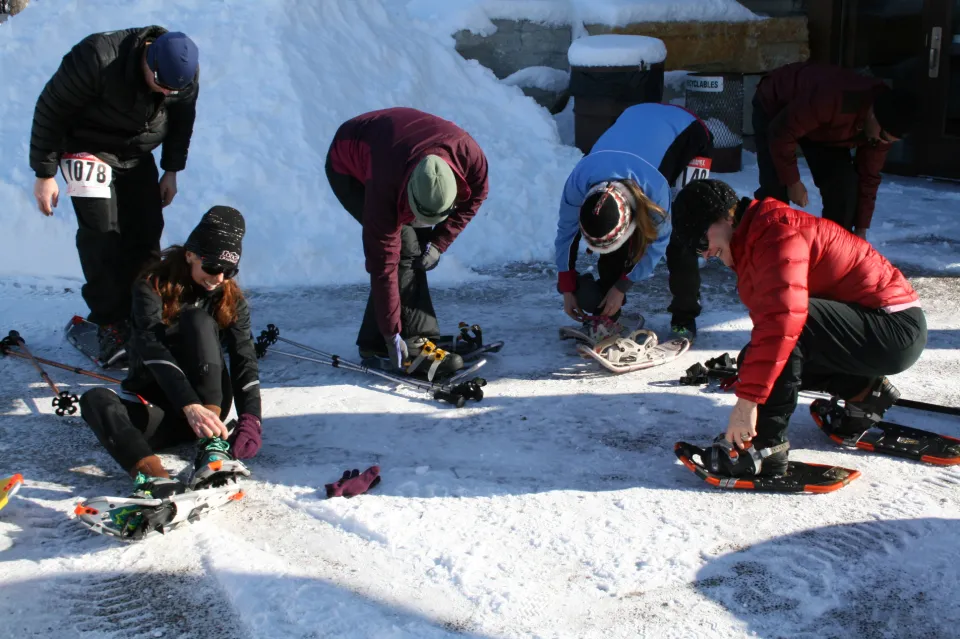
pixel 86 175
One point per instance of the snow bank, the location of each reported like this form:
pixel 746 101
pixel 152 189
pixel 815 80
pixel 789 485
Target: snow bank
pixel 545 78
pixel 279 77
pixel 614 50
pixel 450 16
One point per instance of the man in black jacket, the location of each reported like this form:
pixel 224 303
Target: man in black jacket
pixel 116 96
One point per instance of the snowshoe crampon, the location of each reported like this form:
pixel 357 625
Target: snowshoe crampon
pixel 799 478
pixel 887 438
pixel 638 351
pixel 218 473
pixel 132 519
pixel 9 487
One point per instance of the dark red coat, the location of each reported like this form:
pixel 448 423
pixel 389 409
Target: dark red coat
pixel 381 149
pixel 827 105
pixel 782 258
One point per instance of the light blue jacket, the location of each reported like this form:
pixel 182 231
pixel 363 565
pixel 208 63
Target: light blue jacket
pixel 633 148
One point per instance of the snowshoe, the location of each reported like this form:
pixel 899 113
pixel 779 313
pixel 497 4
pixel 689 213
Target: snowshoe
pixel 104 346
pixel 798 477
pixel 215 466
pixel 468 343
pixel 596 329
pixel 146 511
pixel 843 425
pixel 9 487
pixel 639 350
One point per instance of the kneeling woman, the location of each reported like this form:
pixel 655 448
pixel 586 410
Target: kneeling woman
pixel 618 199
pixel 829 314
pixel 179 388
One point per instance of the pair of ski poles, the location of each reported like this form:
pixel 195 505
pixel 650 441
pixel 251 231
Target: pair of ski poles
pixel 724 368
pixel 455 391
pixel 64 402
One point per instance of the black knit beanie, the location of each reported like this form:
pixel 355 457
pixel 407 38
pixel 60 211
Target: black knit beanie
pixel 217 238
pixel 896 111
pixel 698 206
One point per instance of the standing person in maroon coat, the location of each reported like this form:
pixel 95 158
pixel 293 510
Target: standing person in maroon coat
pixel 826 111
pixel 829 313
pixel 413 181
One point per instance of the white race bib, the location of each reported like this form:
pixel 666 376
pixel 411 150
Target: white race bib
pixel 86 175
pixel 698 169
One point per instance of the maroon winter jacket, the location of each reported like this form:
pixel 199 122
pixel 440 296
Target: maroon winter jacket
pixel 784 257
pixel 381 149
pixel 828 105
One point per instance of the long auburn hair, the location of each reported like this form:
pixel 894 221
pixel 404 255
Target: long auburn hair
pixel 647 216
pixel 170 277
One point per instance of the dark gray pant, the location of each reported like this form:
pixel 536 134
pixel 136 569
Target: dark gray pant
pixel 843 349
pixel 117 237
pixel 417 317
pixel 131 428
pixel 832 168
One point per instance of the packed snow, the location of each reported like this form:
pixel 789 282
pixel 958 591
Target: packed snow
pixel 553 508
pixel 613 50
pixel 450 16
pixel 545 78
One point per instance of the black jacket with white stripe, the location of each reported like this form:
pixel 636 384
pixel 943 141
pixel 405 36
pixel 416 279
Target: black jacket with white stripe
pixel 152 346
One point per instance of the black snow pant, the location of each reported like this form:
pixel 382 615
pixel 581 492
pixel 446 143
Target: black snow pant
pixel 117 237
pixel 834 173
pixel 132 426
pixel 842 350
pixel 417 317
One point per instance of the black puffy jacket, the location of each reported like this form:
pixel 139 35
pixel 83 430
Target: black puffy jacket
pixel 98 102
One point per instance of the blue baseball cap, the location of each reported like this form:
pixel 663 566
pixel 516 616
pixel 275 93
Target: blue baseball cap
pixel 174 58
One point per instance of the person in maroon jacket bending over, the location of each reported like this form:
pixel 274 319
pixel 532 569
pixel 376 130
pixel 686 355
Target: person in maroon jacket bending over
pixel 826 111
pixel 413 181
pixel 829 314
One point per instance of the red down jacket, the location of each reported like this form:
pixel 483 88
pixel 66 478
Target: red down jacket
pixel 782 258
pixel 827 105
pixel 381 149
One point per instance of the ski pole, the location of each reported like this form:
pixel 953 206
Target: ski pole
pixel 63 401
pixel 66 367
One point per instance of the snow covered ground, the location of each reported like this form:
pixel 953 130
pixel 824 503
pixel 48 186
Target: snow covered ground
pixel 553 508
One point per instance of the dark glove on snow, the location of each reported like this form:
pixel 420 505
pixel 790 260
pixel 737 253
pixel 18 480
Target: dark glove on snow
pixel 354 482
pixel 245 439
pixel 429 259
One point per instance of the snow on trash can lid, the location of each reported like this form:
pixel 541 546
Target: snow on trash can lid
pixel 614 50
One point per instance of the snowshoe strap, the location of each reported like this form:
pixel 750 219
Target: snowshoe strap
pixel 756 454
pixel 430 351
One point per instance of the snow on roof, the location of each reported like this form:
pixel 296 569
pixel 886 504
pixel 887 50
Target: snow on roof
pixel 613 50
pixel 450 16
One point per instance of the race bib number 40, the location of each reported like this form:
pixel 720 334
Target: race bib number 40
pixel 698 169
pixel 86 175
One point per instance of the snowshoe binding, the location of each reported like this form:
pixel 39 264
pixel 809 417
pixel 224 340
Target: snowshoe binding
pixel 596 329
pixel 157 505
pixel 639 350
pixel 468 343
pixel 722 465
pixel 215 466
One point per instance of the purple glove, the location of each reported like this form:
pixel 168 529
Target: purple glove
pixel 245 440
pixel 354 482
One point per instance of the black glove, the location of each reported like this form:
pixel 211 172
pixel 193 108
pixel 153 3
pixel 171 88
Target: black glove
pixel 429 259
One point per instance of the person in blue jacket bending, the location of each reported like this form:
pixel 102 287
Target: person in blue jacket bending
pixel 618 200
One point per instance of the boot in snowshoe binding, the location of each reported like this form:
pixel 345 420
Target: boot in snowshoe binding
pixel 215 466
pixel 594 330
pixel 133 517
pixel 858 417
pixel 724 459
pixel 427 359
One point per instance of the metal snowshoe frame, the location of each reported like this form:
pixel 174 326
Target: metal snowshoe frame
pixel 455 390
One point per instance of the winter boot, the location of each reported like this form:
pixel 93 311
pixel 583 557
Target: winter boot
pixel 131 522
pixel 865 410
pixel 112 341
pixel 725 459
pixel 598 328
pixel 214 465
pixel 429 361
pixel 684 330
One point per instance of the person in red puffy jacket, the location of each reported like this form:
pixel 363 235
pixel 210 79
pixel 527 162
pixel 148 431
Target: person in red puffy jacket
pixel 827 111
pixel 829 313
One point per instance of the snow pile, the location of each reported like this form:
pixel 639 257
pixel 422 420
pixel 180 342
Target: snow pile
pixel 544 78
pixel 450 16
pixel 614 50
pixel 276 84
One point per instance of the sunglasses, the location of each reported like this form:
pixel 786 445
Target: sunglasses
pixel 211 268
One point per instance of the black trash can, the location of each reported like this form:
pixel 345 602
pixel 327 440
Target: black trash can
pixel 717 99
pixel 602 93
